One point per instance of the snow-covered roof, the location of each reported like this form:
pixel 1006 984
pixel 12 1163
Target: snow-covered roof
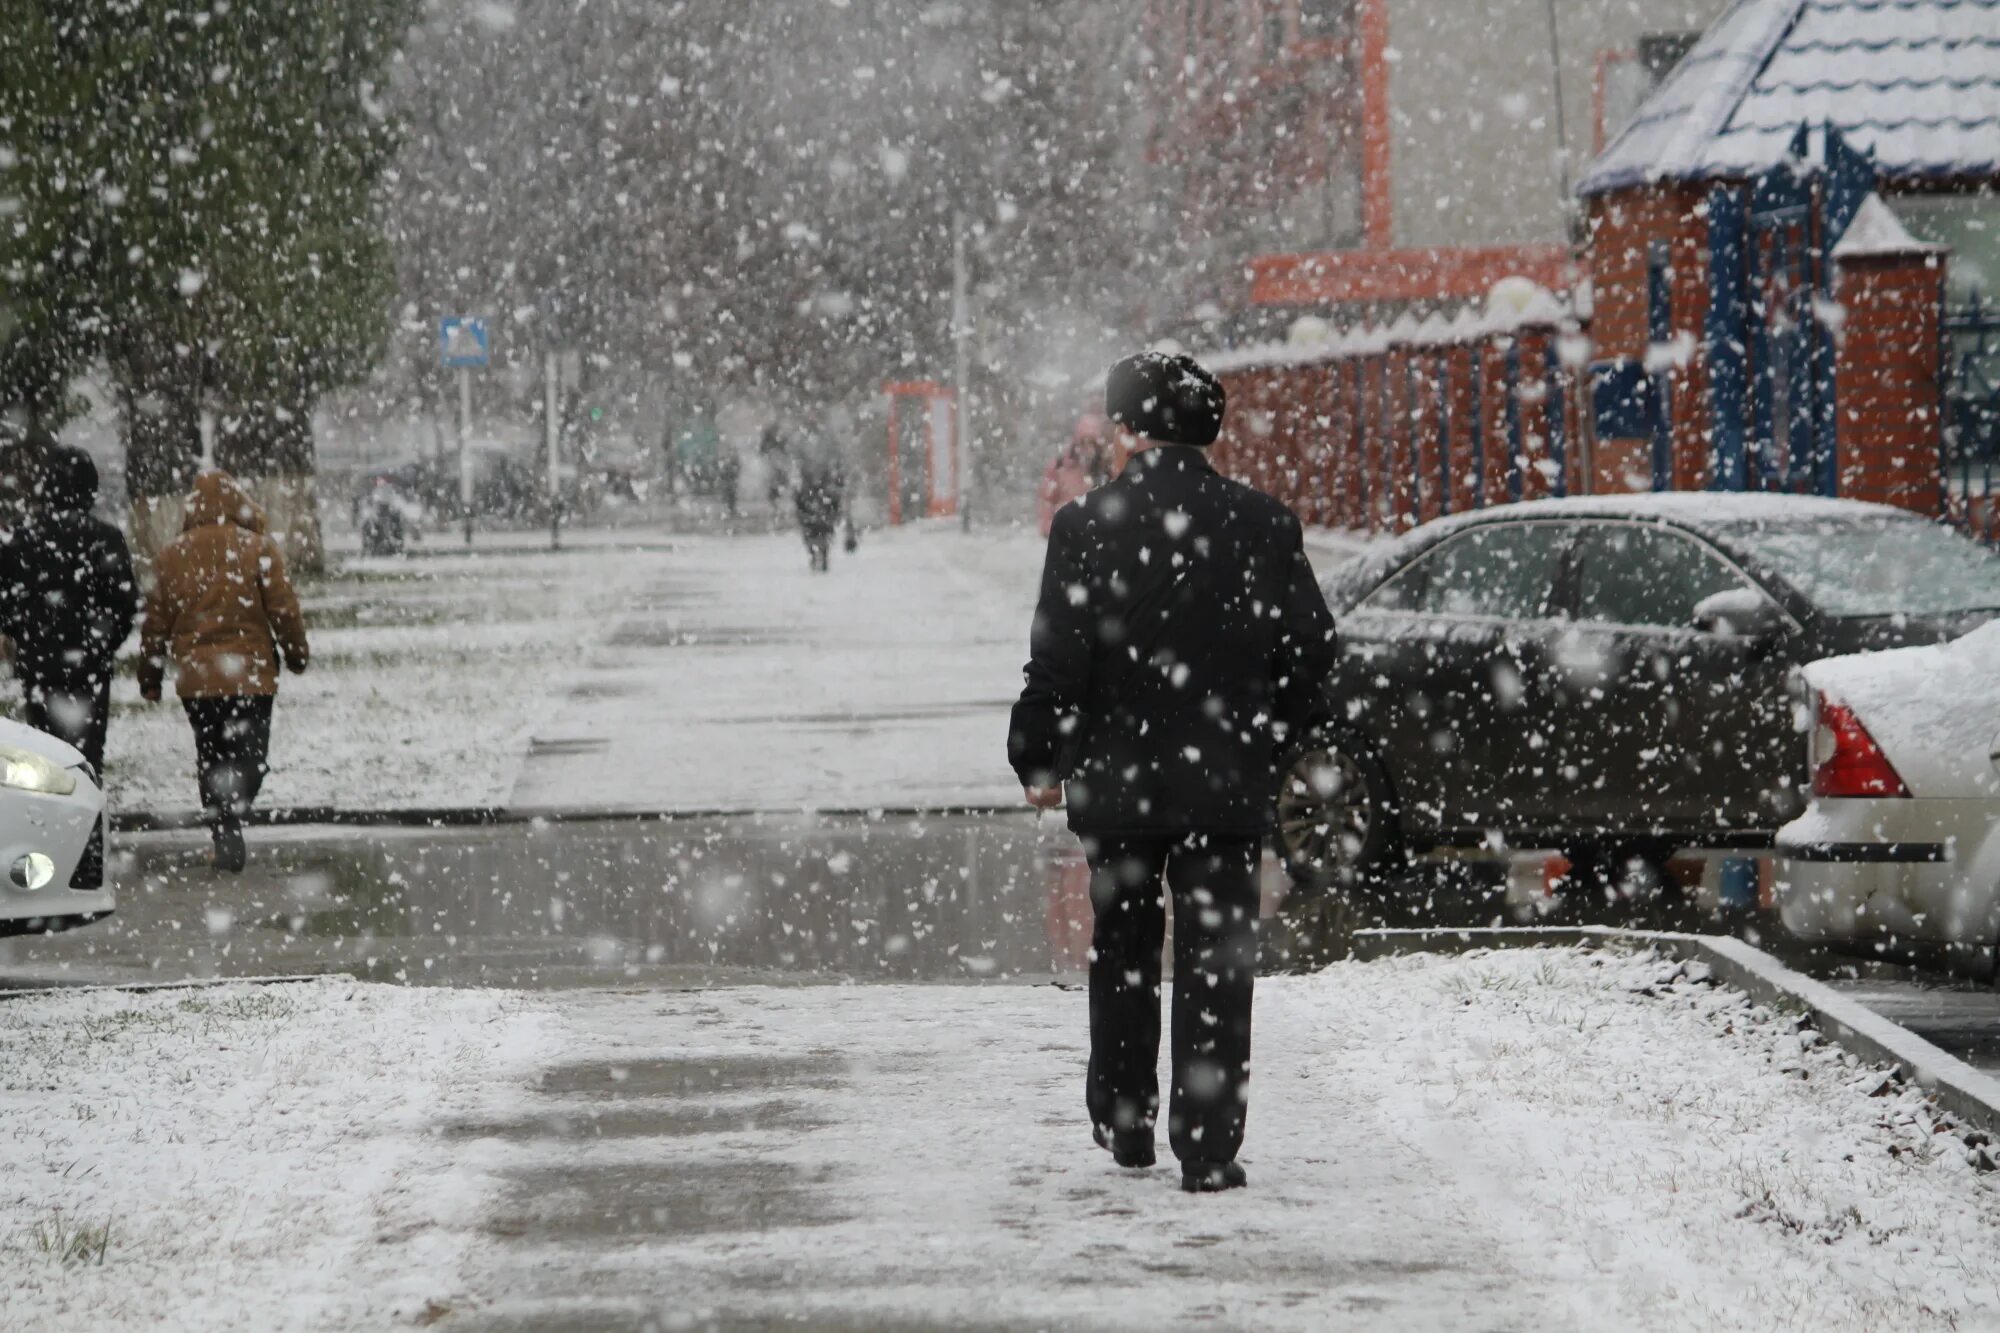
pixel 1915 82
pixel 1876 230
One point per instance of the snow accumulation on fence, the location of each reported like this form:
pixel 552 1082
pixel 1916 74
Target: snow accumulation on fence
pixel 1560 1139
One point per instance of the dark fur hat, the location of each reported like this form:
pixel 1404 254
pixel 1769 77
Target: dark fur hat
pixel 1166 397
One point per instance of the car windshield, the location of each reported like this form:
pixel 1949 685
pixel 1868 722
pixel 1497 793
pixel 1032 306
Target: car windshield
pixel 1875 568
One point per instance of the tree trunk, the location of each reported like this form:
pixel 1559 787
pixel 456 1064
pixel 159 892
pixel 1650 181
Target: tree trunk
pixel 160 407
pixel 270 451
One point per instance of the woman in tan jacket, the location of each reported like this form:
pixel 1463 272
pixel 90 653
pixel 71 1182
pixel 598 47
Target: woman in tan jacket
pixel 224 612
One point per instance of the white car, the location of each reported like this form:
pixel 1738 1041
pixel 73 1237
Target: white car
pixel 1899 848
pixel 52 873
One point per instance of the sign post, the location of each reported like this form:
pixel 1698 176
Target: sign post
pixel 463 346
pixel 552 435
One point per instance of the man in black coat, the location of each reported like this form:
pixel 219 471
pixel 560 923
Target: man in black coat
pixel 1180 642
pixel 67 596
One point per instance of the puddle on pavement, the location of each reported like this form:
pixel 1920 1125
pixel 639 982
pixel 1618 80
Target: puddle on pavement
pixel 699 1077
pixel 574 1204
pixel 643 1122
pixel 678 1317
pixel 692 903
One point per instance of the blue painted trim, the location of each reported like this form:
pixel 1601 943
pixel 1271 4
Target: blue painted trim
pixel 1727 327
pixel 1412 387
pixel 1514 441
pixel 1659 332
pixel 1558 416
pixel 1478 426
pixel 1444 432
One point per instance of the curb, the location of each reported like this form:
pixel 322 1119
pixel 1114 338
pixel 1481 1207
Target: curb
pixel 482 816
pixel 1970 1094
pixel 24 992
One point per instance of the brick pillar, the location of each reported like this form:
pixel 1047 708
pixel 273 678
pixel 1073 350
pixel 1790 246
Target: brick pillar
pixel 1887 381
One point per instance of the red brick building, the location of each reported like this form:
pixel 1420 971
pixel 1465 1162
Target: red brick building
pixel 1789 318
pixel 1777 293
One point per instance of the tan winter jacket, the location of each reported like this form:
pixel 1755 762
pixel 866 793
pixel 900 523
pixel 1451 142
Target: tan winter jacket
pixel 221 607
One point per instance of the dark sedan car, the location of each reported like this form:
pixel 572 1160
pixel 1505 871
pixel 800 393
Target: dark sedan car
pixel 1612 678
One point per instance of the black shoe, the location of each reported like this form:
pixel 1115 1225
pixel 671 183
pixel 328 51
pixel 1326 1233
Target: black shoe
pixel 1212 1177
pixel 1133 1150
pixel 230 853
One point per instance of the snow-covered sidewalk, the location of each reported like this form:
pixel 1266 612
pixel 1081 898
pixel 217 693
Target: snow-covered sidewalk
pixel 240 1157
pixel 428 677
pixel 1545 1139
pixel 741 681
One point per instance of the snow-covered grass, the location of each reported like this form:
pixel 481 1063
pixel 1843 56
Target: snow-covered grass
pixel 428 677
pixel 237 1157
pixel 1542 1139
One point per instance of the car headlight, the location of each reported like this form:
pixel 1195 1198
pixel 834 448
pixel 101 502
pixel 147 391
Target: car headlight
pixel 29 771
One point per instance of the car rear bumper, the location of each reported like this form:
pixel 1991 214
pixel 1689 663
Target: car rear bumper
pixel 1885 870
pixel 1866 853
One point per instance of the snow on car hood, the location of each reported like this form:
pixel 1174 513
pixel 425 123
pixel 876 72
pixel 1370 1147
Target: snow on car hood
pixel 24 737
pixel 1934 710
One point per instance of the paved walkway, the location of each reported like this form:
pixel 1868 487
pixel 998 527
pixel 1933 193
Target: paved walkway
pixel 742 681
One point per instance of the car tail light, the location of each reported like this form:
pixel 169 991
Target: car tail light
pixel 1846 759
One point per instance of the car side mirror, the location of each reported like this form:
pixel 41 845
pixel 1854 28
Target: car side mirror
pixel 1739 613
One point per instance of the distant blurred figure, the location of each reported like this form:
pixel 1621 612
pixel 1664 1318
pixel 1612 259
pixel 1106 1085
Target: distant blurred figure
pixel 728 476
pixel 1077 470
pixel 223 609
pixel 384 529
pixel 777 458
pixel 67 597
pixel 819 499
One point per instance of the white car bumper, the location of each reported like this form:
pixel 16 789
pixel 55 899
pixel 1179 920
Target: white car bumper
pixel 1920 870
pixel 60 828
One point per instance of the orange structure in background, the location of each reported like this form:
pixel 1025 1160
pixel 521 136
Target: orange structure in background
pixel 1444 273
pixel 932 490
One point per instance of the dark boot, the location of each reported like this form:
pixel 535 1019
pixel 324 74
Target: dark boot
pixel 1132 1149
pixel 1212 1177
pixel 230 853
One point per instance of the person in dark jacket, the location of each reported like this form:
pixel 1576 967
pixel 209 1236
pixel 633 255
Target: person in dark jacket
pixel 1179 644
pixel 820 497
pixel 67 597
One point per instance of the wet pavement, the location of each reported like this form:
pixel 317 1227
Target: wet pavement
pixel 729 900
pixel 683 902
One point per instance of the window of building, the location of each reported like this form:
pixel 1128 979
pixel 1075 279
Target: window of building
pixel 1322 19
pixel 1277 28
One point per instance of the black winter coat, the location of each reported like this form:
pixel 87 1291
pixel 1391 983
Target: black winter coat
pixel 67 596
pixel 1180 640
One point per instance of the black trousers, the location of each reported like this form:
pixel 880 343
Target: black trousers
pixel 1215 887
pixel 232 742
pixel 74 711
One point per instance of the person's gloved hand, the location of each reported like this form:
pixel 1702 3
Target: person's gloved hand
pixel 1043 798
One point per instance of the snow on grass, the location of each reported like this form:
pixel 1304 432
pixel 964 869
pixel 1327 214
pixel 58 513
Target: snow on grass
pixel 1549 1139
pixel 236 1157
pixel 428 677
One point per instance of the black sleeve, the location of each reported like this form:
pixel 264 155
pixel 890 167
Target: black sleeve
pixel 1058 671
pixel 1307 646
pixel 117 589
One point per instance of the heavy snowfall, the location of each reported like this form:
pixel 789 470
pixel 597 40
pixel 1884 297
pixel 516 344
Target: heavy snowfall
pixel 1113 664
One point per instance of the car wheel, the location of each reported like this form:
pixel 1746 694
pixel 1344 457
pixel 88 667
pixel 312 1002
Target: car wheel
pixel 1337 824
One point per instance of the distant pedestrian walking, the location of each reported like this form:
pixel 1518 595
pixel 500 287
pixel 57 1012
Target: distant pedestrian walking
pixel 820 498
pixel 1179 644
pixel 224 611
pixel 67 597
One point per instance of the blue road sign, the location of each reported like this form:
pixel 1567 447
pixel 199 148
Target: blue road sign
pixel 461 342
